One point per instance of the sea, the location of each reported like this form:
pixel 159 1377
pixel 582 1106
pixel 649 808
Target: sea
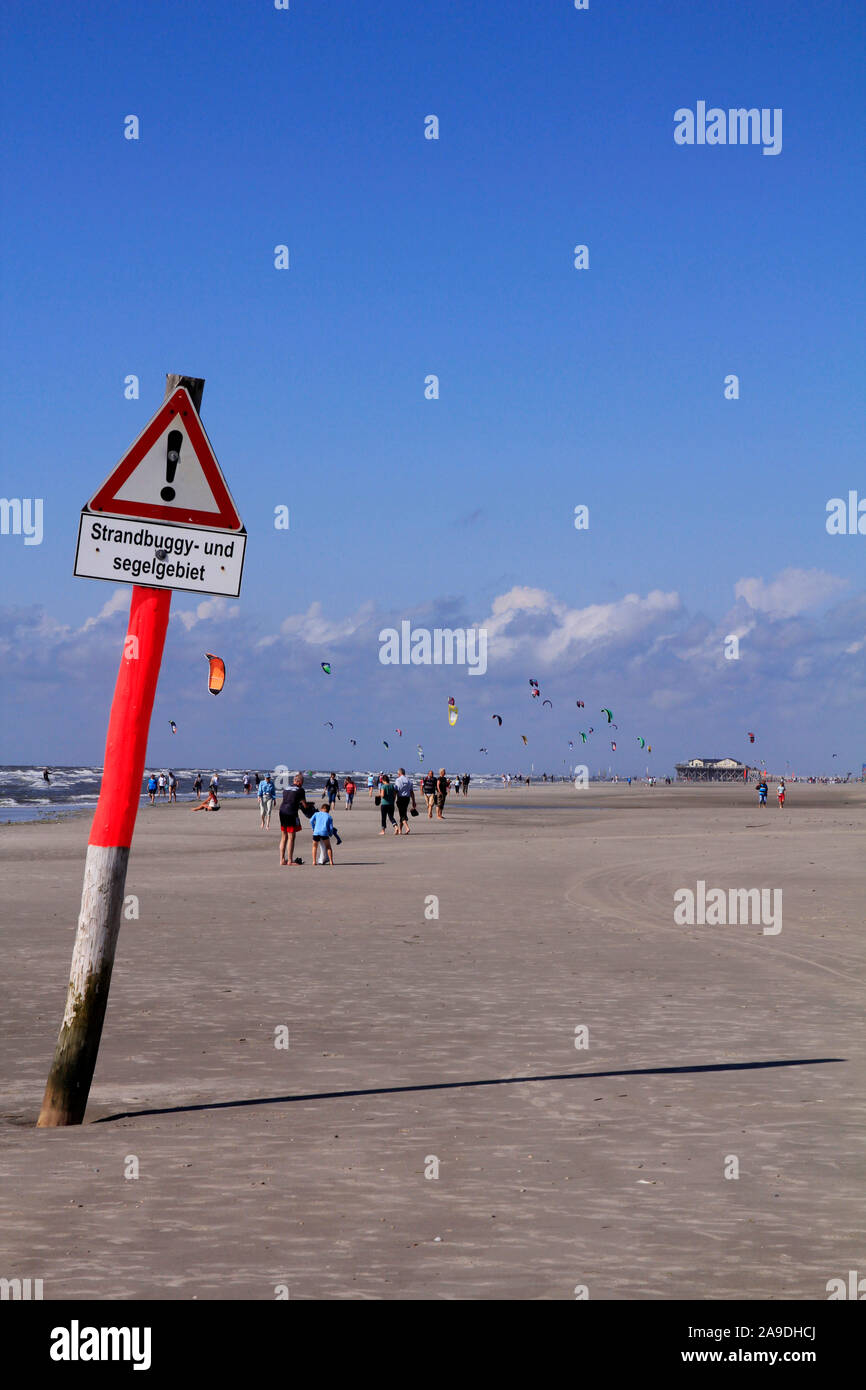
pixel 26 796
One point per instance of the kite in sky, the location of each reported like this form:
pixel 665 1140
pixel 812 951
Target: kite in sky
pixel 217 673
pixel 326 667
pixel 547 702
pixel 173 726
pixel 498 718
pixel 327 724
pixel 613 746
pixel 609 714
pixel 751 738
pixel 452 715
pixel 525 740
pixel 354 742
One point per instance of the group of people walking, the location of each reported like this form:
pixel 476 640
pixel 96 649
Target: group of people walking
pixel 161 786
pixel 762 790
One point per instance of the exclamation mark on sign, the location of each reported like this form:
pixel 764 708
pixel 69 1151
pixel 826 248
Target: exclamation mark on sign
pixel 172 457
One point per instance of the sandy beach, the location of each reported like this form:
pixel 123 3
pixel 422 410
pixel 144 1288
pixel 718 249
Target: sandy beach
pixel 414 1038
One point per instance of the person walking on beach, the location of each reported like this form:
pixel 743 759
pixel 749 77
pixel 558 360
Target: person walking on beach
pixel 151 788
pixel 466 780
pixel 428 787
pixel 387 799
pixel 405 794
pixel 349 788
pixel 442 785
pixel 247 786
pixel 215 782
pixel 332 789
pixel 371 784
pixel 196 786
pixel 780 792
pixel 160 782
pixel 322 826
pixel 267 794
pixel 762 790
pixel 293 801
pixel 172 787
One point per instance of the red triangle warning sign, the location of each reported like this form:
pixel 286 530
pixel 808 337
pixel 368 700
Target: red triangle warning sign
pixel 170 474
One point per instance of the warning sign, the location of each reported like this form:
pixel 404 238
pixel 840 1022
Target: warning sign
pixel 203 561
pixel 170 474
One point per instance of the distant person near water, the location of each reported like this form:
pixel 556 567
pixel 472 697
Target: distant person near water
pixel 442 785
pixel 247 784
pixel 332 789
pixel 215 782
pixel 293 801
pixel 197 784
pixel 45 777
pixel 151 788
pixel 371 784
pixel 466 779
pixel 267 794
pixel 349 788
pixel 405 794
pixel 172 787
pixel 160 782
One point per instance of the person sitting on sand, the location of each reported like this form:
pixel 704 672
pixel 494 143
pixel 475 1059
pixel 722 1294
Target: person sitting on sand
pixel 210 803
pixel 322 826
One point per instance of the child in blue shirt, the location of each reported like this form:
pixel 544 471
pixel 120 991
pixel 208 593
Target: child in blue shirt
pixel 322 826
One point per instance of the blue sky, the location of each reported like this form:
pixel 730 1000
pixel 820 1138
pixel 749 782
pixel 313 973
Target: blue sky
pixel 453 257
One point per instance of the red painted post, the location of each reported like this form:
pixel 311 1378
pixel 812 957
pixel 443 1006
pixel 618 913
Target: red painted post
pixel 102 898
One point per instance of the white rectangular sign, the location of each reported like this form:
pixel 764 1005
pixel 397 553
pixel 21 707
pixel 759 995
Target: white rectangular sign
pixel 159 555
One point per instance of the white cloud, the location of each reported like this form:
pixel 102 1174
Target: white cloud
pixel 550 630
pixel 213 609
pixel 312 627
pixel 118 602
pixel 793 591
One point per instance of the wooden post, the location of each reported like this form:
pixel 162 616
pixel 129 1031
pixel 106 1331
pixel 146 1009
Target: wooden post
pixel 102 898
